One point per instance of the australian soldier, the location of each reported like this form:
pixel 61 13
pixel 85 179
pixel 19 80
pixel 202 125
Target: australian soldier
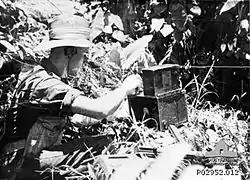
pixel 44 102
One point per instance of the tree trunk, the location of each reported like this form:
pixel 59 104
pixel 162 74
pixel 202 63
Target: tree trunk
pixel 126 10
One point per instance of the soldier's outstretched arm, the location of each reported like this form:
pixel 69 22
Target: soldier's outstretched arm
pixel 102 107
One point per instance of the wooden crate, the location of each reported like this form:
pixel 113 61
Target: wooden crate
pixel 160 79
pixel 168 108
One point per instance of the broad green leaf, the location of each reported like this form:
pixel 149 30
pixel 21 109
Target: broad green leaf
pixel 2 36
pixel 2 4
pixel 196 10
pixel 1 63
pixel 8 45
pixel 98 24
pixel 230 46
pixel 229 5
pixel 116 20
pixel 223 47
pixel 247 56
pixel 119 35
pixel 166 30
pixel 94 33
pixel 244 24
pixel 138 44
pixel 21 54
pixel 156 24
pixel 108 29
pixel 134 57
pixel 130 54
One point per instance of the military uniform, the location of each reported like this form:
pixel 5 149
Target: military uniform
pixel 43 107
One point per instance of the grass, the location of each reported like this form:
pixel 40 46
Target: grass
pixel 99 76
pixel 199 90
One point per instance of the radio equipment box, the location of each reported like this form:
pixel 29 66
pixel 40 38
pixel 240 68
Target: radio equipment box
pixel 167 108
pixel 160 79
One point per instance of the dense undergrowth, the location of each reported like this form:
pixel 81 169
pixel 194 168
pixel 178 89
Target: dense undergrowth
pixel 171 37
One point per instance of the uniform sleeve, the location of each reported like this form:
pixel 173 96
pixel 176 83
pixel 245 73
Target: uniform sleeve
pixel 44 88
pixel 56 90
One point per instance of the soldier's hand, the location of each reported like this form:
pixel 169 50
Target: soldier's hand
pixel 132 84
pixel 80 120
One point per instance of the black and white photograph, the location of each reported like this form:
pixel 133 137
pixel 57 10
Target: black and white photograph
pixel 124 90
